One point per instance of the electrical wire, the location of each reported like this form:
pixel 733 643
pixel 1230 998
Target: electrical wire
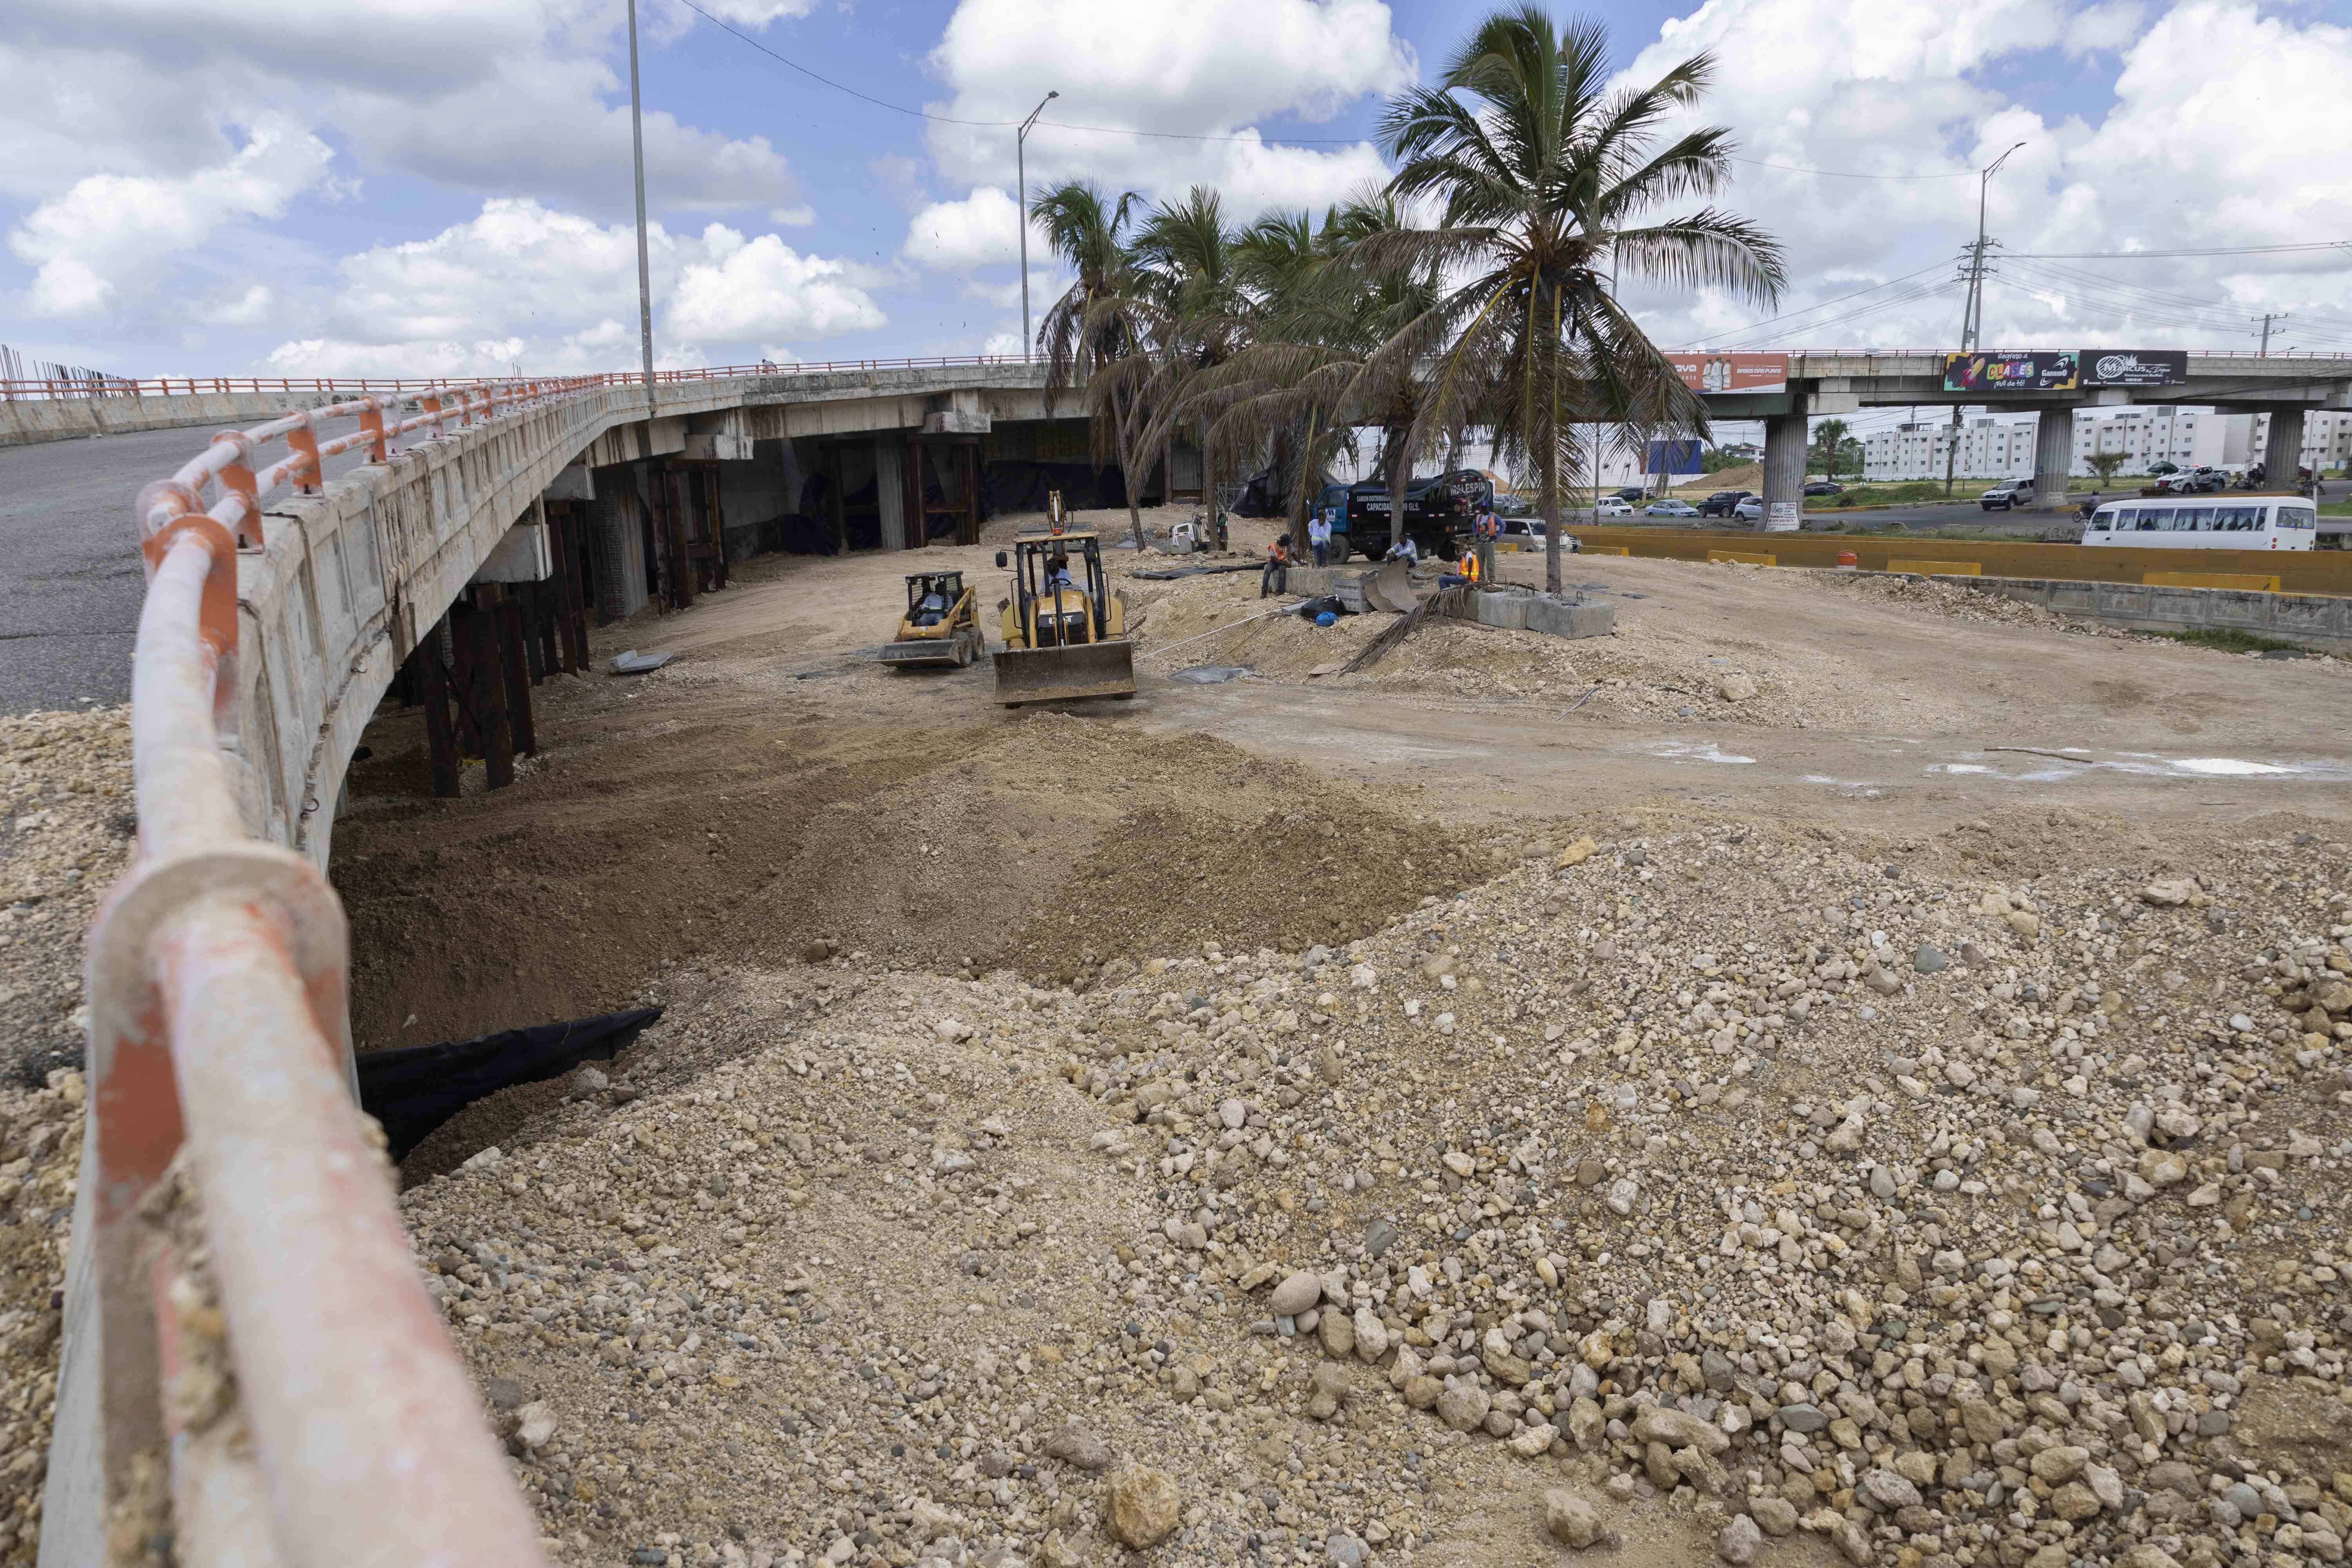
pixel 1809 309
pixel 2344 245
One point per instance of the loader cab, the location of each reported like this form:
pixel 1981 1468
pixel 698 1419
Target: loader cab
pixel 1041 615
pixel 932 596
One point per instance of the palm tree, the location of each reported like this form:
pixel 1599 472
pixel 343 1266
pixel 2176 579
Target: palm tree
pixel 1543 181
pixel 1323 320
pixel 1103 318
pixel 1192 262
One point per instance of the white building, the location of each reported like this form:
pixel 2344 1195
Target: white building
pixel 1995 448
pixel 2156 433
pixel 2327 438
pixel 1990 449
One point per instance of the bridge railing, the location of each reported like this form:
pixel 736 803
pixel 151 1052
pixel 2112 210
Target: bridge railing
pixel 220 1050
pixel 34 390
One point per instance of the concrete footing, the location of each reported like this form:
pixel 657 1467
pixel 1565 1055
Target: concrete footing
pixel 2315 619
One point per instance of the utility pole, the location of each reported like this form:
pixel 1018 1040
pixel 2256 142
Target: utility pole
pixel 2268 317
pixel 1021 178
pixel 1972 312
pixel 644 271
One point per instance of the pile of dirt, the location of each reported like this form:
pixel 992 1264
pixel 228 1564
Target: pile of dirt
pixel 1749 477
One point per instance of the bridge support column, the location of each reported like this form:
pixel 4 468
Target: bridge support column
pixel 2054 457
pixel 2283 451
pixel 1784 470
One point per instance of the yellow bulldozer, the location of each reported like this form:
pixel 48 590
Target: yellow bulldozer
pixel 1065 633
pixel 942 626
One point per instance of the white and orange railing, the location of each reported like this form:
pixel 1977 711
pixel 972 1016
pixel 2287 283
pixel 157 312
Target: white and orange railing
pixel 61 387
pixel 219 1038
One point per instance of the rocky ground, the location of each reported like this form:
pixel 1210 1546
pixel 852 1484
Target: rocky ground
pixel 1144 1136
pixel 1809 1194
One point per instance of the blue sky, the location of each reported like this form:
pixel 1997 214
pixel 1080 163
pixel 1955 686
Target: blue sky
pixel 442 186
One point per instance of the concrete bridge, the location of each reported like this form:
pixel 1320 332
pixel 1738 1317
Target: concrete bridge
pixel 2283 386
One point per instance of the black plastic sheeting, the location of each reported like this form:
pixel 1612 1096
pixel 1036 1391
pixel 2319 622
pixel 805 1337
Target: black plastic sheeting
pixel 414 1088
pixel 1007 485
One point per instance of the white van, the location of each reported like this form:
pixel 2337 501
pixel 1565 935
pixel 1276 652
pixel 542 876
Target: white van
pixel 2207 523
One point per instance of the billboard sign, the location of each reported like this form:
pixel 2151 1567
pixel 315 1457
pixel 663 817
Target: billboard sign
pixel 2018 372
pixel 1732 373
pixel 2134 367
pixel 1674 457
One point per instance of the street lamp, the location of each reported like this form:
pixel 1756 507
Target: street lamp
pixel 645 276
pixel 1020 175
pixel 1972 313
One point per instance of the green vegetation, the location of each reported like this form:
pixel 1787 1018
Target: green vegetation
pixel 1834 451
pixel 1543 181
pixel 2229 639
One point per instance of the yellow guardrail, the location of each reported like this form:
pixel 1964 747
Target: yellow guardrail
pixel 1938 568
pixel 2244 582
pixel 1605 550
pixel 2326 572
pixel 1741 557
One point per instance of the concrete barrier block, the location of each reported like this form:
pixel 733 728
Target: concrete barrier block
pixel 2308 614
pixel 1559 615
pixel 2249 611
pixel 1508 611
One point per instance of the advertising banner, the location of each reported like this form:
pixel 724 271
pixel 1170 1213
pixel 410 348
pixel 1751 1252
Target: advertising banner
pixel 2134 367
pixel 2018 372
pixel 1732 373
pixel 1674 457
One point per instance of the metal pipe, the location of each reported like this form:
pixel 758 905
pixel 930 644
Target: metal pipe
pixel 366 1425
pixel 187 799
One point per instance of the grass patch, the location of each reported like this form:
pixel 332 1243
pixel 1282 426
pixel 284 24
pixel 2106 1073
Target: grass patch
pixel 2230 639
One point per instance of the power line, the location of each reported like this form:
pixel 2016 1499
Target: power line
pixel 1187 135
pixel 1845 174
pixel 2344 245
pixel 1809 309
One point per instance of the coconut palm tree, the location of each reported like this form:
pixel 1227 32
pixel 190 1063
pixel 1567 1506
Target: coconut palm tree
pixel 1106 316
pixel 1191 261
pixel 1321 319
pixel 1544 181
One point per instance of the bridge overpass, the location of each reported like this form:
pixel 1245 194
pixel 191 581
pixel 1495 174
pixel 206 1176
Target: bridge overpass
pixel 1839 382
pixel 282 598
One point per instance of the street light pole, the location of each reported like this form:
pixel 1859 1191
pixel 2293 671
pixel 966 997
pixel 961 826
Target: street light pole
pixel 645 272
pixel 1020 175
pixel 1972 312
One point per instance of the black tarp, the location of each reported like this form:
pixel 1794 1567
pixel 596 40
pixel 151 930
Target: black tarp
pixel 414 1088
pixel 1010 485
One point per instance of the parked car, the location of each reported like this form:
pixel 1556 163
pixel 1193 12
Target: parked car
pixel 1636 494
pixel 2159 470
pixel 1612 505
pixel 1669 507
pixel 1721 503
pixel 1749 509
pixel 1824 488
pixel 2203 479
pixel 2007 496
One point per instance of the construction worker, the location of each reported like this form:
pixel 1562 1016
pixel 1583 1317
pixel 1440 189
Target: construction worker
pixel 1469 566
pixel 1404 550
pixel 1484 532
pixel 1276 577
pixel 1319 535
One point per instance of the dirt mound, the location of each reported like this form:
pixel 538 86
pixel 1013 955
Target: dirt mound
pixel 1175 877
pixel 1749 477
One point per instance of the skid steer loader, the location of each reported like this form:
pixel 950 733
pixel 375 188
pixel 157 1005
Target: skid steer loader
pixel 942 626
pixel 1065 635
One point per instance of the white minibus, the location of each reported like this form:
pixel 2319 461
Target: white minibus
pixel 2207 523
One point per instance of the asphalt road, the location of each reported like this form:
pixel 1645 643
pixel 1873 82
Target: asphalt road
pixel 69 596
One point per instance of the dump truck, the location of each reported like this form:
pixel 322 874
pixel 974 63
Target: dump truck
pixel 941 626
pixel 1065 635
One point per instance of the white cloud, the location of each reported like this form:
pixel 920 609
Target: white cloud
pixel 981 230
pixel 1210 69
pixel 495 97
pixel 762 288
pixel 110 233
pixel 564 289
pixel 250 309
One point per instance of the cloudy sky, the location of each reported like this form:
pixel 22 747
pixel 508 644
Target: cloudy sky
pixel 442 186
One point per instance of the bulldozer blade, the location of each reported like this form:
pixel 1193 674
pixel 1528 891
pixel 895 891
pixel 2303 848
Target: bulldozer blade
pixel 1390 588
pixel 1053 674
pixel 918 654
